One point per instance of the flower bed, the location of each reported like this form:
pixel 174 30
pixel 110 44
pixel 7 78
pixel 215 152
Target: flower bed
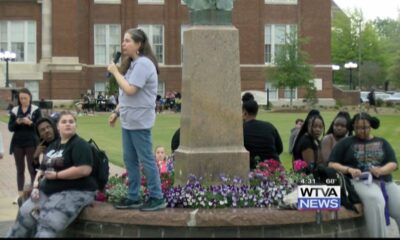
pixel 267 186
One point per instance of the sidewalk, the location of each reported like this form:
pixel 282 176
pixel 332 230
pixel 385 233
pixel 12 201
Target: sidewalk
pixel 8 182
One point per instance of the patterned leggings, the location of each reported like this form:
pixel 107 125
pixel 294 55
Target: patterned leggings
pixel 56 213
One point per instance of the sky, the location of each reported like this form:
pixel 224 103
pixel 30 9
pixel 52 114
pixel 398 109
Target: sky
pixel 373 8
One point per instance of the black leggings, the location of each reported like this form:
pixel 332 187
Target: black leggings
pixel 19 155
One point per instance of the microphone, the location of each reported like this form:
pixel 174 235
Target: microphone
pixel 117 56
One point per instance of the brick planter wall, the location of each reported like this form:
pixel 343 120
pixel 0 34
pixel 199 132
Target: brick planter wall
pixel 102 220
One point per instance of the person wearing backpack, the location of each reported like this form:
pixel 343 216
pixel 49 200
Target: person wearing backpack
pixel 364 155
pixel 137 83
pixel 65 188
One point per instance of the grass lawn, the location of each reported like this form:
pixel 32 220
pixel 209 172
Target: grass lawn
pixel 109 139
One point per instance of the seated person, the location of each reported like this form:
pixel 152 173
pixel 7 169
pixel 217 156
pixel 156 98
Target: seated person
pixel 339 129
pixel 47 133
pixel 175 140
pixel 365 152
pixel 307 144
pixel 161 159
pixel 261 138
pixel 61 189
pixel 293 133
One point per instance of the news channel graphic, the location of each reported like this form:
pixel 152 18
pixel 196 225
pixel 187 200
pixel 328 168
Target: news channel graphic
pixel 318 197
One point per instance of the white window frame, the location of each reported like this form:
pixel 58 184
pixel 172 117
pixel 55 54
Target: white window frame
pixel 286 93
pixel 156 2
pixel 148 29
pixel 283 2
pixel 183 28
pixel 273 91
pixel 317 82
pixel 288 29
pixel 27 54
pixel 108 61
pixel 100 86
pixel 161 88
pixel 33 87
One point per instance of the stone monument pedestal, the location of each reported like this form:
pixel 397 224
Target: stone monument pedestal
pixel 211 140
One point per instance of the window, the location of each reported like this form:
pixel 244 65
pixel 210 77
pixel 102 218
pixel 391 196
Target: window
pixel 317 82
pixel 151 1
pixel 33 87
pixel 287 93
pixel 288 2
pixel 275 38
pixel 273 91
pixel 107 41
pixel 161 88
pixel 19 37
pixel 155 33
pixel 99 87
pixel 183 28
pixel 107 1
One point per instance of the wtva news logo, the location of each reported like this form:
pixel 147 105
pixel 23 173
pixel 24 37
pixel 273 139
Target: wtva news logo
pixel 318 197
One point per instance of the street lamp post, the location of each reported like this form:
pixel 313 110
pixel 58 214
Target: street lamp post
pixel 7 56
pixel 334 68
pixel 351 66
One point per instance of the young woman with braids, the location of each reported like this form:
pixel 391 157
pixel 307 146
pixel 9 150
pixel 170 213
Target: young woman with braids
pixel 307 143
pixel 339 129
pixel 365 152
pixel 137 83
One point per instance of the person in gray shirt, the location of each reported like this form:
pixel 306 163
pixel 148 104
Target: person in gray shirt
pixel 138 82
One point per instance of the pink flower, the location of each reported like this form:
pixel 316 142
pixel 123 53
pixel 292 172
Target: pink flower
pixel 100 196
pixel 299 165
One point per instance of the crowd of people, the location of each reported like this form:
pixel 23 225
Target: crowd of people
pixel 338 149
pixel 62 184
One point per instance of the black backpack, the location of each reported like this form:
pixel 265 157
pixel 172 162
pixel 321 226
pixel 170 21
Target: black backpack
pixel 101 169
pixel 329 176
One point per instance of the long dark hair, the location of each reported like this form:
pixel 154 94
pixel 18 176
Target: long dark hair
pixel 349 125
pixel 26 91
pixel 139 36
pixel 310 119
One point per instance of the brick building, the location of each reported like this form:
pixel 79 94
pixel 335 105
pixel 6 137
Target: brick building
pixel 64 46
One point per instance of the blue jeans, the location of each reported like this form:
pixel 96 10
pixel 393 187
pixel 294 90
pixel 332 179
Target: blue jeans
pixel 137 148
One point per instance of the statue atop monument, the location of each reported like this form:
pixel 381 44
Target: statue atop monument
pixel 198 5
pixel 210 12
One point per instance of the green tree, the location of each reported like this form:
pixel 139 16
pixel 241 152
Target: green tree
pixel 389 37
pixel 291 69
pixel 368 43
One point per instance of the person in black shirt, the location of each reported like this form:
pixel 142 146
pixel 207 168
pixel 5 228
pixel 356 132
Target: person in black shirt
pixel 47 133
pixel 61 189
pixel 307 144
pixel 372 100
pixel 261 138
pixel 24 140
pixel 367 153
pixel 175 140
